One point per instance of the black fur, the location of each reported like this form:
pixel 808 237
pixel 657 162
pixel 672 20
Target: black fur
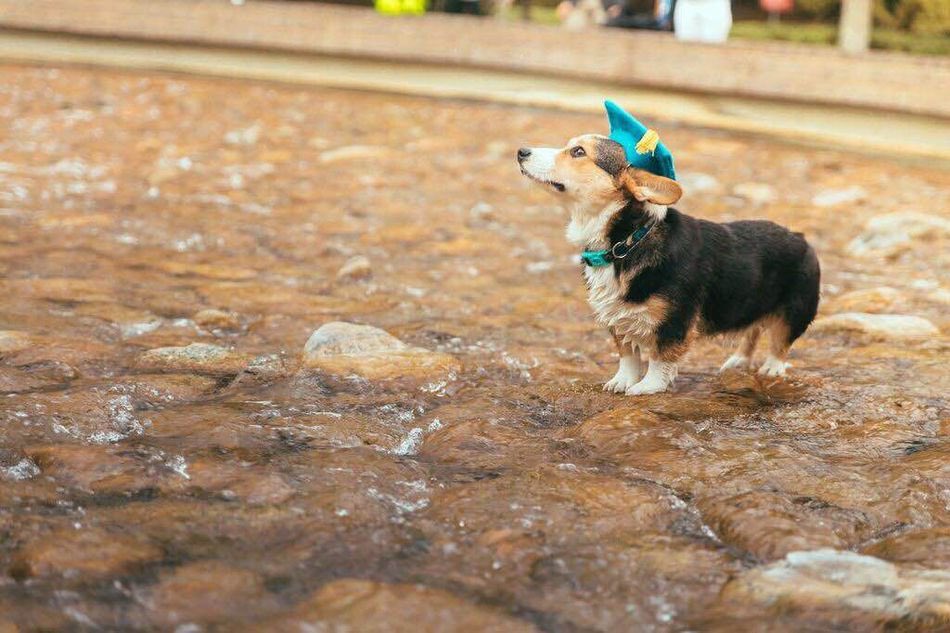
pixel 720 277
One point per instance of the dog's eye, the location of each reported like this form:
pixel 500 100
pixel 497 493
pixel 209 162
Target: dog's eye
pixel 578 151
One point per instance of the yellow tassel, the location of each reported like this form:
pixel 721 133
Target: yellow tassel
pixel 647 144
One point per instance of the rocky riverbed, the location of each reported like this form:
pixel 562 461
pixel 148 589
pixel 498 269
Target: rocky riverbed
pixel 275 358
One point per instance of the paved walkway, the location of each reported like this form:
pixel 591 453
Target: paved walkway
pixel 876 132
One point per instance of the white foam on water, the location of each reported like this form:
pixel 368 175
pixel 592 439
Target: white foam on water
pixel 26 468
pixel 178 465
pixel 410 444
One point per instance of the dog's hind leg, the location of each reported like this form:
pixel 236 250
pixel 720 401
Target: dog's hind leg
pixel 741 358
pixel 795 316
pixel 630 369
pixel 779 343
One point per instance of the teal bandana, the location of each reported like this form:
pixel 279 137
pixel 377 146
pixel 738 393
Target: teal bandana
pixel 641 144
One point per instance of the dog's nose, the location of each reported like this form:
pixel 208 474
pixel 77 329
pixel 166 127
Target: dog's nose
pixel 523 153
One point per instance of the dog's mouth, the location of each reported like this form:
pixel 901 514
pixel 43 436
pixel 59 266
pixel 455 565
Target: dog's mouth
pixel 553 183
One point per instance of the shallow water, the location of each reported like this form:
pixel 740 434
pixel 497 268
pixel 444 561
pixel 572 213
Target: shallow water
pixel 239 487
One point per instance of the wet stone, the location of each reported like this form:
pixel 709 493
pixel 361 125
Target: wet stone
pixel 202 358
pixel 345 349
pixel 884 326
pixel 828 584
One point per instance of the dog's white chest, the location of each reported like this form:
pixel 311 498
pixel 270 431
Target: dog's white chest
pixel 632 321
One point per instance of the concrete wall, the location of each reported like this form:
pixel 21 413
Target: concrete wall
pixel 888 81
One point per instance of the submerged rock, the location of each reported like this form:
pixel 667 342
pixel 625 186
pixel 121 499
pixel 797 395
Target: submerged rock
pixel 370 607
pixel 892 233
pixel 206 591
pixel 346 349
pixel 828 583
pixel 928 548
pixel 13 380
pixel 770 525
pixel 201 358
pixel 887 326
pixel 87 467
pixel 86 551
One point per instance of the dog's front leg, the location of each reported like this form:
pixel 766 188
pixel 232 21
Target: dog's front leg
pixel 630 369
pixel 659 377
pixel 672 339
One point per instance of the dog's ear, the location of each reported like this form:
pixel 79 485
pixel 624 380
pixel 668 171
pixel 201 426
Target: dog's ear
pixel 647 187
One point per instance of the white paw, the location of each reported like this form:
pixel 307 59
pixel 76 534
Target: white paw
pixel 736 361
pixel 620 382
pixel 647 386
pixel 773 367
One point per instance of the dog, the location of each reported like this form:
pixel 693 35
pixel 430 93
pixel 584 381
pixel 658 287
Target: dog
pixel 658 278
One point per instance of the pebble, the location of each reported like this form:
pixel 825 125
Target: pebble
pixel 755 192
pixel 13 341
pixel 694 181
pixel 212 319
pixel 352 152
pixel 833 197
pixel 357 267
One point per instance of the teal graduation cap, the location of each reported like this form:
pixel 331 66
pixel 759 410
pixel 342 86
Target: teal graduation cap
pixel 641 144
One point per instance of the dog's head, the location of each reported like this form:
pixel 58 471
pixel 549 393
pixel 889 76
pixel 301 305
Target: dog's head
pixel 592 171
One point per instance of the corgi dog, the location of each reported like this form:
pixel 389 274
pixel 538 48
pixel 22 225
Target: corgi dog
pixel 658 278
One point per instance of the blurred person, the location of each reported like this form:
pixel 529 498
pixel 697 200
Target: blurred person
pixel 581 14
pixel 702 20
pixel 654 15
pixel 628 14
